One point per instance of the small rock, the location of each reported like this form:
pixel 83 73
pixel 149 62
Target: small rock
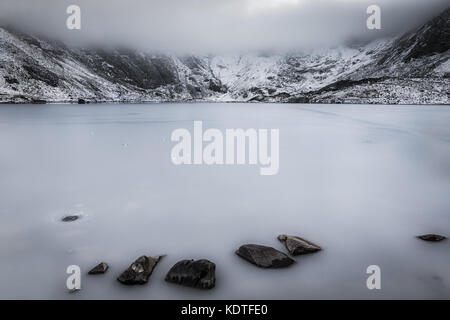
pixel 99 269
pixel 198 274
pixel 81 101
pixel 70 218
pixel 432 237
pixel 297 246
pixel 264 257
pixel 139 271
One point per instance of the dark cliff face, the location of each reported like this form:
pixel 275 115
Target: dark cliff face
pixel 432 38
pixel 130 68
pixel 36 68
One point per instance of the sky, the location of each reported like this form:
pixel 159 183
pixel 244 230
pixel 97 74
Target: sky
pixel 212 26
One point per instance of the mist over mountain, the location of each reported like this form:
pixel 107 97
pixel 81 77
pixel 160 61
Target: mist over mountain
pixel 217 26
pixel 412 68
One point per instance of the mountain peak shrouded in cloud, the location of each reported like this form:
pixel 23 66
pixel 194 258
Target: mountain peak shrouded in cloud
pixel 217 26
pixel 409 69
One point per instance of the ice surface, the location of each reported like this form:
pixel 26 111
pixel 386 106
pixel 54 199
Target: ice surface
pixel 360 181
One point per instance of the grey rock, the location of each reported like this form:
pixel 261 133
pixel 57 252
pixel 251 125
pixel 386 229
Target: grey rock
pixel 432 237
pixel 70 218
pixel 297 246
pixel 264 257
pixel 99 269
pixel 198 274
pixel 139 271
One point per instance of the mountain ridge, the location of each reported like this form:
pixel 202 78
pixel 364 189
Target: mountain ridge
pixel 411 69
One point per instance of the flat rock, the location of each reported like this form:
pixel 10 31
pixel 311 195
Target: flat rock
pixel 297 246
pixel 432 237
pixel 70 218
pixel 197 274
pixel 264 257
pixel 139 271
pixel 99 269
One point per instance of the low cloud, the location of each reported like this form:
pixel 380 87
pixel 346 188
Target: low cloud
pixel 211 26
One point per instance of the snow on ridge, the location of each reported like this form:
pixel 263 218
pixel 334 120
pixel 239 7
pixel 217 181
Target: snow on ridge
pixel 35 70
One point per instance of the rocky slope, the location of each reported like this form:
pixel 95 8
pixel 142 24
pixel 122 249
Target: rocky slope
pixel 413 69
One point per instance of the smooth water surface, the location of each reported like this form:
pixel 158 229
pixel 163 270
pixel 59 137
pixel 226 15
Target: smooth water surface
pixel 361 181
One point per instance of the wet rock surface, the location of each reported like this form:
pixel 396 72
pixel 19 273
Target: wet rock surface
pixel 99 269
pixel 264 257
pixel 139 271
pixel 298 246
pixel 432 237
pixel 198 274
pixel 70 218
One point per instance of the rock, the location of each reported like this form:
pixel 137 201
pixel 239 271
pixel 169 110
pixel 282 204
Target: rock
pixel 297 246
pixel 11 80
pixel 81 101
pixel 264 257
pixel 99 269
pixel 38 101
pixel 139 271
pixel 432 237
pixel 198 274
pixel 70 218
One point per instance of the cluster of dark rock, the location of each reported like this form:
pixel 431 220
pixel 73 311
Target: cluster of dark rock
pixel 197 274
pixel 201 273
pixel 268 257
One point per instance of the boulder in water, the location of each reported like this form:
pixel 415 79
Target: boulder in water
pixel 139 271
pixel 70 218
pixel 99 269
pixel 264 257
pixel 297 246
pixel 198 274
pixel 432 237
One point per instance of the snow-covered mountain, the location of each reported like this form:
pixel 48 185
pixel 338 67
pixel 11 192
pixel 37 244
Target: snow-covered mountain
pixel 412 69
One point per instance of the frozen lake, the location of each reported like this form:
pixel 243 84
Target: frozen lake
pixel 360 181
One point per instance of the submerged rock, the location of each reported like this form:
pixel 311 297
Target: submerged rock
pixel 139 271
pixel 297 246
pixel 70 218
pixel 264 257
pixel 432 237
pixel 99 269
pixel 197 274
